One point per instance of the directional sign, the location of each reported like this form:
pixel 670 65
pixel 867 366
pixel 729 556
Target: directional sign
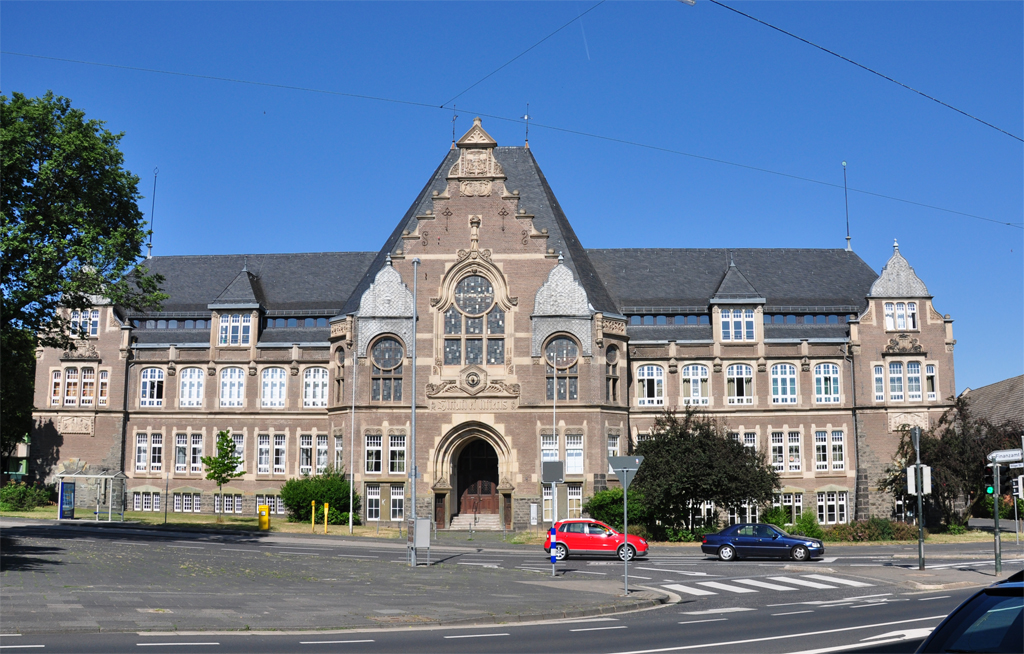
pixel 552 472
pixel 1006 456
pixel 1017 465
pixel 926 480
pixel 625 467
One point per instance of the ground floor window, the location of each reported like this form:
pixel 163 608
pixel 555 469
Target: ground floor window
pixel 547 503
pixel 273 503
pixel 397 503
pixel 832 507
pixel 372 502
pixel 188 503
pixel 793 503
pixel 142 501
pixel 575 500
pixel 746 512
pixel 227 503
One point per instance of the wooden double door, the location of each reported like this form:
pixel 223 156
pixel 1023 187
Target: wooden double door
pixel 478 479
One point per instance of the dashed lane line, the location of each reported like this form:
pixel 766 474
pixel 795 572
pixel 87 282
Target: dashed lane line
pixel 187 547
pixel 620 626
pixel 699 621
pixel 19 646
pixel 172 644
pixel 733 609
pixel 791 613
pixel 476 636
pixel 925 599
pixel 333 642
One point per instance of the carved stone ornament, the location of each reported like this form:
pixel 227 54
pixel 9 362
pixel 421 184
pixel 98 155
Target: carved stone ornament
pixel 505 486
pixel 475 188
pixel 441 485
pixel 211 370
pixel 473 380
pixel 83 352
pixel 903 344
pixel 561 295
pixel 898 279
pixel 543 328
pixel 614 326
pixel 386 307
pixel 472 383
pixel 901 421
pixel 171 369
pixel 75 425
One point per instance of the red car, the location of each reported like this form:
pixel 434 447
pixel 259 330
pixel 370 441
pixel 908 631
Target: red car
pixel 592 537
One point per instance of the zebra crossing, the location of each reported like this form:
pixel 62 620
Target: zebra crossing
pixel 739 586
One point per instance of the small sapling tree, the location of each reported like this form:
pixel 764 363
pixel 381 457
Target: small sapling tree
pixel 223 467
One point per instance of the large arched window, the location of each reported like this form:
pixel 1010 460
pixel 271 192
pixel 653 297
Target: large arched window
pixel 151 392
pixel 71 387
pixel 696 389
pixel 191 392
pixel 739 380
pixel 272 390
pixel 232 387
pixel 562 363
pixel 650 386
pixel 826 383
pixel 386 370
pixel 314 387
pixel 474 327
pixel 784 384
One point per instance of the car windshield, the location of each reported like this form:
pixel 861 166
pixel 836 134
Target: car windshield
pixel 993 621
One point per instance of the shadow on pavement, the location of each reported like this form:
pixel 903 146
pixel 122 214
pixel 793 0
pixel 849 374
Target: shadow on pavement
pixel 19 558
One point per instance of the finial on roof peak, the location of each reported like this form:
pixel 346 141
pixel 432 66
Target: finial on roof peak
pixel 560 257
pixel 477 121
pixel 245 263
pixel 732 264
pixel 895 246
pixel 387 259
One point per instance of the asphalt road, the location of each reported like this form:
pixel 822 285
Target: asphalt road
pixel 861 598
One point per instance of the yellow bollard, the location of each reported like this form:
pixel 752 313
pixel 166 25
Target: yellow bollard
pixel 326 507
pixel 312 519
pixel 264 515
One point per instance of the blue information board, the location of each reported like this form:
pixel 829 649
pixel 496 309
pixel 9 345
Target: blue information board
pixel 66 506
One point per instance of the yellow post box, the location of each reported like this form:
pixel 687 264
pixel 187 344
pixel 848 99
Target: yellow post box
pixel 326 508
pixel 264 512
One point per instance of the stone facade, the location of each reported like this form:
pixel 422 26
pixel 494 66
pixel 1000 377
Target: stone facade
pixel 307 360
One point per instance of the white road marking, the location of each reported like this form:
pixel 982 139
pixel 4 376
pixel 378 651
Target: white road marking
pixel 687 589
pixel 762 584
pixel 877 603
pixel 356 556
pixel 476 636
pixel 837 580
pixel 483 565
pixel 302 553
pixel 680 572
pixel 925 599
pixel 699 621
pixel 332 642
pixel 638 577
pixel 590 620
pixel 19 646
pixel 828 559
pixel 587 572
pixel 734 609
pixel 721 586
pixel 800 582
pixel 172 644
pixel 620 626
pixel 186 547
pixel 782 637
pixel 835 601
pixel 792 613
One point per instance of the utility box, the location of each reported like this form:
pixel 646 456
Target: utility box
pixel 264 513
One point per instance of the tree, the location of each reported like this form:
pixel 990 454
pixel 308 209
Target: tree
pixel 690 460
pixel 955 449
pixel 72 232
pixel 225 466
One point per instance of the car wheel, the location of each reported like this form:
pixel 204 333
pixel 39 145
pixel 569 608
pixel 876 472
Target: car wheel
pixel 800 553
pixel 626 552
pixel 727 553
pixel 561 552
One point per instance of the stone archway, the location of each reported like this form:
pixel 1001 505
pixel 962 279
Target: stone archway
pixel 468 455
pixel 476 479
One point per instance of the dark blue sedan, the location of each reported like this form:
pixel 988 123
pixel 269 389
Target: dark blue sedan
pixel 746 539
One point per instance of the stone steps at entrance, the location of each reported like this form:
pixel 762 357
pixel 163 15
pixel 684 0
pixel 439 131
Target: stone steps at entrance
pixel 479 522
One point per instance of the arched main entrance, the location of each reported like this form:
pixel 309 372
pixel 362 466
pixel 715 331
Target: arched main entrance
pixel 477 476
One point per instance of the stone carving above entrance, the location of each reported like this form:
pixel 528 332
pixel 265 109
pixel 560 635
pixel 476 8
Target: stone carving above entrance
pixel 900 421
pixel 75 425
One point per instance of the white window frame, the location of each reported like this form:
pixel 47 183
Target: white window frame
pixel 156 452
pixel 151 388
pixel 177 508
pixel 235 329
pixel 931 381
pixel 914 387
pixel 890 317
pixel 574 454
pixel 546 496
pixel 56 386
pixel 737 376
pixel 88 386
pixel 826 383
pixel 784 383
pixel 239 443
pixel 397 502
pixel 232 387
pixel 549 447
pixel 750 440
pixel 136 501
pixel 879 383
pixel 196 453
pixel 339 453
pixel 650 385
pixel 896 381
pixel 838 450
pixel 396 454
pixel 696 388
pixel 104 388
pixel 373 454
pixel 314 387
pixel 274 388
pixel 832 507
pixel 305 454
pixel 190 392
pixel 321 453
pixel 280 454
pixel 821 450
pixel 263 454
pixel 373 502
pixel 156 501
pixel 141 452
pixel 574 492
pixel 778 451
pixel 71 386
pixel 180 453
pixel 737 325
pixel 613 445
pixel 794 454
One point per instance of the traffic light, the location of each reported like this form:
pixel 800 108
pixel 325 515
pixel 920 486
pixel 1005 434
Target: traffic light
pixel 990 482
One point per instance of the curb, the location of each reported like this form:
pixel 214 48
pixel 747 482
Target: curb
pixel 916 585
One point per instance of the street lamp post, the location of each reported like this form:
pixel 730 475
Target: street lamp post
pixel 412 425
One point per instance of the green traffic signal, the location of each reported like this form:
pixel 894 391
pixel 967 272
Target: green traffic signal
pixel 990 490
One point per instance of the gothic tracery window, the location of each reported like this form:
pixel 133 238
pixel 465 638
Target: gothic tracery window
pixel 474 327
pixel 386 382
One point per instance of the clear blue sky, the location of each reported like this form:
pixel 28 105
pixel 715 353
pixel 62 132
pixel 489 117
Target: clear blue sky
pixel 247 168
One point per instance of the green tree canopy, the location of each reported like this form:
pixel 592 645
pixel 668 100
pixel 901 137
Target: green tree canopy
pixel 690 460
pixel 226 464
pixel 72 230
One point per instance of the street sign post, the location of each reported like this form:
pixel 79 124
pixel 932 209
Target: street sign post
pixel 926 472
pixel 996 460
pixel 625 468
pixel 553 472
pixel 915 433
pixel 1006 456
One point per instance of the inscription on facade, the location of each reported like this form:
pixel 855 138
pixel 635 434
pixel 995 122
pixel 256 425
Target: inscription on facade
pixel 475 404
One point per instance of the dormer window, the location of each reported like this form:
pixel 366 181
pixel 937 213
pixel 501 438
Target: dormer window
pixel 900 316
pixel 737 324
pixel 235 329
pixel 474 327
pixel 85 323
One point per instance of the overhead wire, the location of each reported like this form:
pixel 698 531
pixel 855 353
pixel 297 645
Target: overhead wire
pixel 556 128
pixel 863 67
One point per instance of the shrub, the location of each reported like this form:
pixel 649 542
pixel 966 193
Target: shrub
pixel 777 516
pixel 807 525
pixel 956 530
pixel 905 531
pixel 875 529
pixel 336 517
pixel 25 497
pixel 331 487
pixel 878 529
pixel 639 530
pixel 606 506
pixel 839 534
pixel 1005 507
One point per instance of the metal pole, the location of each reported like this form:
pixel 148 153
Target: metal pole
pixel 1016 526
pixel 625 540
pixel 352 430
pixel 554 434
pixel 166 486
pixel 415 273
pixel 919 486
pixel 995 515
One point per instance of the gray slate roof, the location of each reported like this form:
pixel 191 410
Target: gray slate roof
pixel 832 280
pixel 300 281
pixel 735 286
pixel 244 290
pixel 806 331
pixel 1000 402
pixel 289 335
pixel 536 197
pixel 175 336
pixel 669 332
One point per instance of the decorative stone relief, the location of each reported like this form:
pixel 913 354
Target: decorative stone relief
pixel 371 328
pixel 545 327
pixel 84 352
pixel 903 344
pixel 898 279
pixel 561 295
pixel 900 421
pixel 75 425
pixel 386 307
